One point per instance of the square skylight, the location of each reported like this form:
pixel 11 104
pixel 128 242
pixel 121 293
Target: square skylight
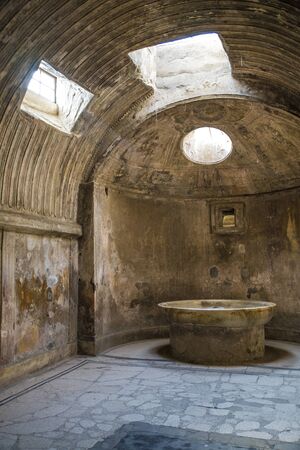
pixel 54 99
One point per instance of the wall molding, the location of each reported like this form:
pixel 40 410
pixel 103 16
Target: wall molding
pixel 136 193
pixel 8 298
pixel 20 222
pixel 95 345
pixel 15 370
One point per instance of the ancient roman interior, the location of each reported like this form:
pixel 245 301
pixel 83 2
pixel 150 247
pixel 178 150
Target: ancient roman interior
pixel 150 152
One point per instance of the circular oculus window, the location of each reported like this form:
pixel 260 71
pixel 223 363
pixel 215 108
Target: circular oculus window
pixel 206 145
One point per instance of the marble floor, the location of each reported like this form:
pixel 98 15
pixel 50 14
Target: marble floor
pixel 82 401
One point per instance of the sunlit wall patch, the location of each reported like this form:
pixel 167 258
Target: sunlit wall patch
pixel 206 145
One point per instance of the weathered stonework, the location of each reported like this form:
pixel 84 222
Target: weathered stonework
pixel 39 300
pixel 149 159
pixel 143 209
pixel 217 331
pixel 154 250
pixel 89 44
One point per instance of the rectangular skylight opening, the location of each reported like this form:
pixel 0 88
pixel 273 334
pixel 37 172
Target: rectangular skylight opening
pixel 187 67
pixel 54 99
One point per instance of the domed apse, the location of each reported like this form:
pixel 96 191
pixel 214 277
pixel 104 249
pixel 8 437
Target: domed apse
pixel 206 145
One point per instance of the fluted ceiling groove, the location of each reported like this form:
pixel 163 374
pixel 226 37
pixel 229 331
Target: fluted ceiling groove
pixel 88 41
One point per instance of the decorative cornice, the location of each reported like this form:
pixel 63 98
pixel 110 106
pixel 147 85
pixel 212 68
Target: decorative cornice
pixel 34 224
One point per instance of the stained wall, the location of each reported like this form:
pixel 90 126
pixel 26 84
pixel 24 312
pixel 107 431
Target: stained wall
pixel 150 250
pixel 39 300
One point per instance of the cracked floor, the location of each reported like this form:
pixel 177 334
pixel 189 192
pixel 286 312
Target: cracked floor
pixel 82 401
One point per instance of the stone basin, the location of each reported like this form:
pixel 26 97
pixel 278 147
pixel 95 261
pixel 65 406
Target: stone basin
pixel 218 331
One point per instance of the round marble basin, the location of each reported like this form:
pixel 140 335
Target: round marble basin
pixel 218 331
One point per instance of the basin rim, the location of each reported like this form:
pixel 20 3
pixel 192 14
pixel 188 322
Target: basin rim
pixel 182 305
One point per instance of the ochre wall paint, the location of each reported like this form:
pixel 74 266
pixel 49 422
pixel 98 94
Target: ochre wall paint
pixel 39 297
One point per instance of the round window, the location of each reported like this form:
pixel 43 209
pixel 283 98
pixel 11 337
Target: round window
pixel 206 145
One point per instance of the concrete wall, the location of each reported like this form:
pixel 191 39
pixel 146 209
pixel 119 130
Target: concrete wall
pixel 153 250
pixel 39 301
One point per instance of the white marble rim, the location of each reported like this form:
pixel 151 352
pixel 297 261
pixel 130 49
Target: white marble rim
pixel 226 305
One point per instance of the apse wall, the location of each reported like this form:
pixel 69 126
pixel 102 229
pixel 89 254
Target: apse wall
pixel 153 250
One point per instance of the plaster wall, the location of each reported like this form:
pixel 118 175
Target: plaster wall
pixel 39 300
pixel 151 250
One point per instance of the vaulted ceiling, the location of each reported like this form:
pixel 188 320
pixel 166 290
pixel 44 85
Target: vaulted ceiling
pixel 117 139
pixel 265 154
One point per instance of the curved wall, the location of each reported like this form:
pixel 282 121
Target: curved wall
pixel 151 250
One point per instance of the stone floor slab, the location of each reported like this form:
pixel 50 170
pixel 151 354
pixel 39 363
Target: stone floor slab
pixel 85 401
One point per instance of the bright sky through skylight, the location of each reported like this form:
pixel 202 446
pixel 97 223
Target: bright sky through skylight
pixel 43 84
pixel 206 145
pixel 206 38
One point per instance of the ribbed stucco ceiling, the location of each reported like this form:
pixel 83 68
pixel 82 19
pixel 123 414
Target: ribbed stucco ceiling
pixel 88 41
pixel 265 155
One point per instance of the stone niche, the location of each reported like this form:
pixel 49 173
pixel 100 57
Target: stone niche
pixel 227 217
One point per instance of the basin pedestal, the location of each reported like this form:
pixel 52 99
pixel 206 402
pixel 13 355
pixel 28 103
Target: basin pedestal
pixel 216 345
pixel 217 331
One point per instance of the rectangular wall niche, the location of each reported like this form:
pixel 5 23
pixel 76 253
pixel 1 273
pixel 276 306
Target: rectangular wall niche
pixel 227 217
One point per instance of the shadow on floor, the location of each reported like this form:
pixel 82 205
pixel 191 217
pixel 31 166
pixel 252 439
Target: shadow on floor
pixel 272 354
pixel 143 436
pixel 278 354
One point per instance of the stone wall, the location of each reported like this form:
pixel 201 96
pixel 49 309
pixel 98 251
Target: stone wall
pixel 39 301
pixel 150 250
